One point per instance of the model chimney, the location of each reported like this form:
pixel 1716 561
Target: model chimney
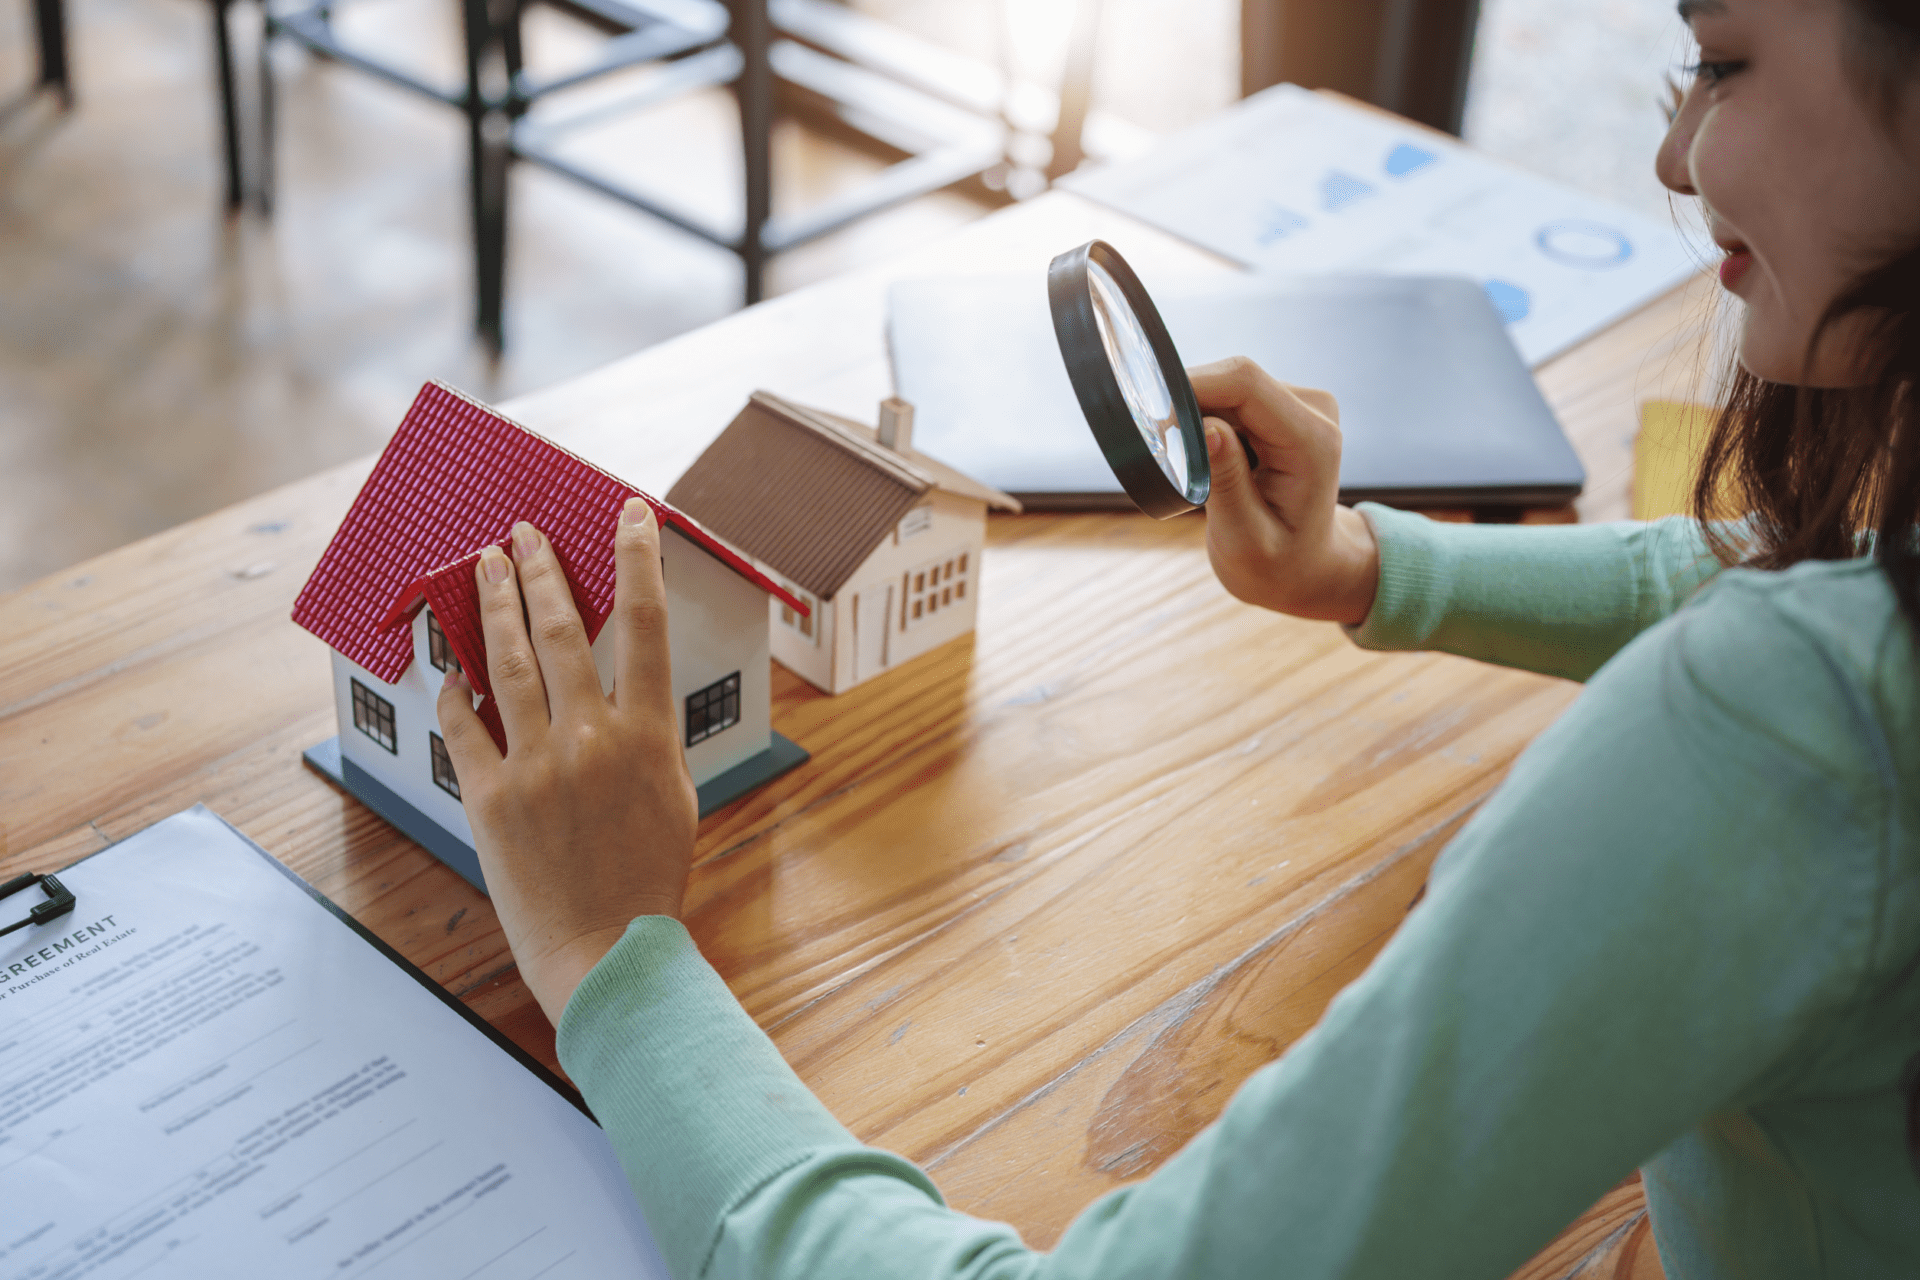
pixel 896 425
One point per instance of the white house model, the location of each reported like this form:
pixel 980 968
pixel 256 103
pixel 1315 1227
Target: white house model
pixel 882 544
pixel 394 596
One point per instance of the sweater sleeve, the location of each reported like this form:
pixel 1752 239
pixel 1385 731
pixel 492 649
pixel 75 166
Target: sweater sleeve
pixel 1585 980
pixel 1558 599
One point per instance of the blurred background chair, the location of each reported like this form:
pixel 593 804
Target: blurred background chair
pixel 55 76
pixel 812 53
pixel 687 37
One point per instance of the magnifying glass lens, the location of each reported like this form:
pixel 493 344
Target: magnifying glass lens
pixel 1138 372
pixel 1129 381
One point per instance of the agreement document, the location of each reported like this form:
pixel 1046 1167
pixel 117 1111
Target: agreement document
pixel 207 1071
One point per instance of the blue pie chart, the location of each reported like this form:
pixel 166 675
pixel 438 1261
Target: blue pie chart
pixel 1593 246
pixel 1509 299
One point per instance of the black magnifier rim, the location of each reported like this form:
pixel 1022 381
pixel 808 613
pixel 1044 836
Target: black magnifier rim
pixel 1070 297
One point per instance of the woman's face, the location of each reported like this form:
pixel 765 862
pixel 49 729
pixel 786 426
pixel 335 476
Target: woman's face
pixel 1804 183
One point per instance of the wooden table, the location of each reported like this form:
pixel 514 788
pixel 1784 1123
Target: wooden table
pixel 1042 898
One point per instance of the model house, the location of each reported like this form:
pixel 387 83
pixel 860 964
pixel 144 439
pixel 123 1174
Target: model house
pixel 394 597
pixel 882 544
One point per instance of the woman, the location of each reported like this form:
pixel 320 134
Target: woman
pixel 1684 935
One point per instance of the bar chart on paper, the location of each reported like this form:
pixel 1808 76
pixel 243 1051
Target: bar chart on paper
pixel 1292 181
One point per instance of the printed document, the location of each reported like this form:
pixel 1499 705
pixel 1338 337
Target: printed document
pixel 1297 182
pixel 205 1072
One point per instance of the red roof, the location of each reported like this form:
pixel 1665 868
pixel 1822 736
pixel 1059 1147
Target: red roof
pixel 453 479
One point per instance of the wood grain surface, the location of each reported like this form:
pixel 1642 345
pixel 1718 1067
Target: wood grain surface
pixel 1040 901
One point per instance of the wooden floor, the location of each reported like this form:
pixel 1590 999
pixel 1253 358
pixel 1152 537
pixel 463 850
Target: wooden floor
pixel 159 360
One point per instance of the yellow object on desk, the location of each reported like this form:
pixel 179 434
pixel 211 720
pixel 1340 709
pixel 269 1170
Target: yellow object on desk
pixel 1666 459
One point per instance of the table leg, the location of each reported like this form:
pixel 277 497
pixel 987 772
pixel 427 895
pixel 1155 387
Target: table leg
pixel 50 23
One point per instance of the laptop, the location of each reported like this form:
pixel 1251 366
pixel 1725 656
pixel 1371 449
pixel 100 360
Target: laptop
pixel 1436 407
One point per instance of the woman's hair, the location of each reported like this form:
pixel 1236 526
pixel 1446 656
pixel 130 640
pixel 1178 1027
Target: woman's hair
pixel 1823 471
pixel 1828 473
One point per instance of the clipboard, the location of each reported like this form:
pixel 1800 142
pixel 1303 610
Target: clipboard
pixel 58 902
pixel 61 901
pixel 203 1072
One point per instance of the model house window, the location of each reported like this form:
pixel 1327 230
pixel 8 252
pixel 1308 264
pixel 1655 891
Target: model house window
pixel 927 590
pixel 438 651
pixel 373 716
pixel 442 765
pixel 713 708
pixel 808 623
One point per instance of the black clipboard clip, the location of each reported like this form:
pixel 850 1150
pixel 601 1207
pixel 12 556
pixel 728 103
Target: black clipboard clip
pixel 59 900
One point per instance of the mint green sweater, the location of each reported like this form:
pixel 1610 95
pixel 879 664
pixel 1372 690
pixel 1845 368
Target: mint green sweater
pixel 1683 935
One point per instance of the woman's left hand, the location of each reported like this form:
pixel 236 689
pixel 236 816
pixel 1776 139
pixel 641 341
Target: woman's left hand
pixel 588 820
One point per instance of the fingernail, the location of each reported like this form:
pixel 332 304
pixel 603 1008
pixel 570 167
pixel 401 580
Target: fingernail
pixel 1213 440
pixel 493 563
pixel 453 678
pixel 635 512
pixel 526 539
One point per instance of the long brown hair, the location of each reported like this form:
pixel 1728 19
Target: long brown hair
pixel 1828 473
pixel 1818 469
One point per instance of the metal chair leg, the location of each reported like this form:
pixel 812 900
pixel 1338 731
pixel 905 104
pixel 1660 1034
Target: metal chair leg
pixel 50 22
pixel 490 240
pixel 754 91
pixel 229 106
pixel 487 160
pixel 264 175
pixel 511 51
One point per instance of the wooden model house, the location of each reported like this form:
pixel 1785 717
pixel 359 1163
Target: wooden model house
pixel 881 543
pixel 394 597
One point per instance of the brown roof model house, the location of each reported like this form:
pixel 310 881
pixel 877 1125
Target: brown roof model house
pixel 881 542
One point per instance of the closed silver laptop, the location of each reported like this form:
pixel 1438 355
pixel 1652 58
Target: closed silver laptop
pixel 1436 407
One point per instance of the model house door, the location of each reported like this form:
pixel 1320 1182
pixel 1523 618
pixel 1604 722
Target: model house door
pixel 872 613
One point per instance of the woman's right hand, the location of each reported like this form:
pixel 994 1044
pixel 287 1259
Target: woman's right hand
pixel 1277 534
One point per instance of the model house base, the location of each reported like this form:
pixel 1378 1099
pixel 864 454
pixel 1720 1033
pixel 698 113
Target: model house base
pixel 722 789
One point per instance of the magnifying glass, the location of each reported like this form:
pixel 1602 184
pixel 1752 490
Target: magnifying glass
pixel 1129 379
